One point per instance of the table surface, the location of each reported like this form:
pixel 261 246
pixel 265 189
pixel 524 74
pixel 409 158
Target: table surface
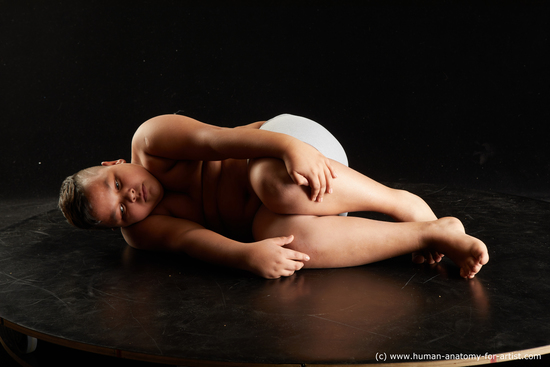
pixel 87 289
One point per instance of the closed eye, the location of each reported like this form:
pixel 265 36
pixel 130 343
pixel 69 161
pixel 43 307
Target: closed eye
pixel 121 207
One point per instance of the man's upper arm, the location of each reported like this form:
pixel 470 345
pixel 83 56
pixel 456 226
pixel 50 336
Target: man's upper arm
pixel 176 137
pixel 160 233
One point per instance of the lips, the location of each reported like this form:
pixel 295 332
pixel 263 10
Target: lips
pixel 144 192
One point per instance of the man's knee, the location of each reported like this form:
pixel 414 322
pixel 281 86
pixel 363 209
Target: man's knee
pixel 273 185
pixel 415 207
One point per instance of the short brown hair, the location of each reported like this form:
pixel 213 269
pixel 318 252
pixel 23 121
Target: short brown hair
pixel 73 202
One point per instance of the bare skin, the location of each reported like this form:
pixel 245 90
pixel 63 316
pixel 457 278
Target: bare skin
pixel 333 241
pixel 213 199
pixel 353 191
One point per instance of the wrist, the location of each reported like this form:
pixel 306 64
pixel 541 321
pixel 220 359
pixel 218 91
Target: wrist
pixel 244 257
pixel 288 149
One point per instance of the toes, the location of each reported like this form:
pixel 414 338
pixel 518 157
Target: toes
pixel 429 258
pixel 466 273
pixel 426 256
pixel 484 258
pixel 469 271
pixel 418 258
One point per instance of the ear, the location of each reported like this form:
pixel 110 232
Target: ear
pixel 112 163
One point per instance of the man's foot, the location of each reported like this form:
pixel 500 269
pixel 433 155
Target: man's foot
pixel 449 238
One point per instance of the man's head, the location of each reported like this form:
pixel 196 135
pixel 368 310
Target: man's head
pixel 115 194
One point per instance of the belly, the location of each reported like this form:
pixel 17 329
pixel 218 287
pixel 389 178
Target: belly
pixel 229 203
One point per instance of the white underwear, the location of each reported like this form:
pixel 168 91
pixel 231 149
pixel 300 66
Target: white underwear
pixel 309 132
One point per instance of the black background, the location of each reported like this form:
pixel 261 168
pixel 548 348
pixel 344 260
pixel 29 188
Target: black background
pixel 452 93
pixel 446 92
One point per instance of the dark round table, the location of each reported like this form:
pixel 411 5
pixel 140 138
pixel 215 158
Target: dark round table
pixel 88 290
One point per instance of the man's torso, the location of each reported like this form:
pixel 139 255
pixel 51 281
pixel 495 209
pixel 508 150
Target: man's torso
pixel 214 194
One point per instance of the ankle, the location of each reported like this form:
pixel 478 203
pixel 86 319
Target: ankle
pixel 426 236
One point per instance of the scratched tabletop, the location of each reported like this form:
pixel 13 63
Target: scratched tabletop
pixel 87 289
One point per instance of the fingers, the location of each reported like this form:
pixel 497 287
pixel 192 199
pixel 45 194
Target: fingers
pixel 321 185
pixel 287 269
pixel 293 260
pixel 332 175
pixel 299 179
pixel 296 256
pixel 317 185
pixel 324 184
pixel 318 189
pixel 292 255
pixel 283 240
pixel 332 170
pixel 319 180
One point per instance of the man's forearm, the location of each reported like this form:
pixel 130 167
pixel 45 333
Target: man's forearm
pixel 211 247
pixel 251 143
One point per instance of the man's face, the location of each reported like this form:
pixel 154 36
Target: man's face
pixel 122 194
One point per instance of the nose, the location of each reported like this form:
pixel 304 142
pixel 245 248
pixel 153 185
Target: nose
pixel 131 195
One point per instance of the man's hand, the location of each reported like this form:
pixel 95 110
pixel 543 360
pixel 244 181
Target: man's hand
pixel 308 167
pixel 269 259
